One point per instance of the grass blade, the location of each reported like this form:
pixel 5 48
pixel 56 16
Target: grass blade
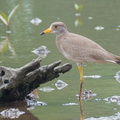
pixel 3 46
pixel 78 22
pixel 11 48
pixel 80 7
pixel 4 18
pixel 76 6
pixel 12 12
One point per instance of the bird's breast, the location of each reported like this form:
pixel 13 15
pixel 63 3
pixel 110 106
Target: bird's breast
pixel 65 47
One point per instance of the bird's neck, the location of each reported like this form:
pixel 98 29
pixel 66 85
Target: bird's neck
pixel 60 38
pixel 61 33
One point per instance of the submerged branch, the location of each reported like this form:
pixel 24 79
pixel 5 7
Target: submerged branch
pixel 16 84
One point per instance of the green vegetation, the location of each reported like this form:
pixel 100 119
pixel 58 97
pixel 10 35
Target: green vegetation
pixel 78 14
pixel 6 44
pixel 7 19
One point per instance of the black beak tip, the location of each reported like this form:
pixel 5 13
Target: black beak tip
pixel 42 33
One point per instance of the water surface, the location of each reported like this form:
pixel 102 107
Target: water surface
pixel 24 38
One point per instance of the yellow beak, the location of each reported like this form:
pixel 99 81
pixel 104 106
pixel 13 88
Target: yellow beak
pixel 46 31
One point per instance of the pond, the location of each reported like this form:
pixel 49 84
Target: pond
pixel 97 20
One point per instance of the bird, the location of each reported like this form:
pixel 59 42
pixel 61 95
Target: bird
pixel 79 49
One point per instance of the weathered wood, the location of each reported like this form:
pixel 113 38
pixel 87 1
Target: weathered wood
pixel 16 84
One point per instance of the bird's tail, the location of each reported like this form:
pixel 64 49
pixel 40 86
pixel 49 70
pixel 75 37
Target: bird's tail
pixel 117 59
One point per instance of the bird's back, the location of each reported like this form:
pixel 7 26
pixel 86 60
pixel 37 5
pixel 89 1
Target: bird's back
pixel 82 50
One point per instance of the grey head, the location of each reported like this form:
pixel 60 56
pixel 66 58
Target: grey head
pixel 57 28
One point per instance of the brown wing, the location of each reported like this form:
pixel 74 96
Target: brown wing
pixel 82 50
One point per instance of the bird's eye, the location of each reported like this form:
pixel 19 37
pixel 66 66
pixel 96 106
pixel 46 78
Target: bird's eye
pixel 55 26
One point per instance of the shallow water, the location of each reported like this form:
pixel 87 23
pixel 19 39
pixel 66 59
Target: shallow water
pixel 98 20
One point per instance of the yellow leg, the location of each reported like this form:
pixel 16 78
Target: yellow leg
pixel 80 68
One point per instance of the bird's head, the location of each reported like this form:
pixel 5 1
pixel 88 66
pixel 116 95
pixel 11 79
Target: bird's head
pixel 57 27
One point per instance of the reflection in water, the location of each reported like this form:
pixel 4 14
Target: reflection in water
pixel 47 89
pixel 11 113
pixel 78 8
pixel 87 95
pixel 32 102
pixel 93 76
pixel 16 110
pixel 114 117
pixel 34 8
pixel 42 51
pixel 60 84
pixel 90 18
pixel 8 31
pixel 78 21
pixel 81 108
pixel 99 28
pixel 7 45
pixel 67 104
pixel 118 28
pixel 36 21
pixel 118 76
pixel 115 99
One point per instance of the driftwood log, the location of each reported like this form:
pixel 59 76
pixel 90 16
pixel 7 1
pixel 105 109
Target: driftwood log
pixel 16 84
